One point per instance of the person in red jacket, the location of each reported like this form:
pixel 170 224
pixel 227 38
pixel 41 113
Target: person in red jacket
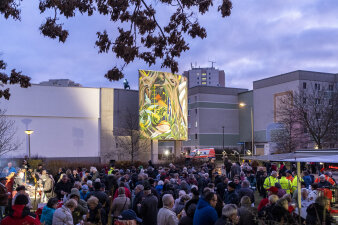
pixel 20 214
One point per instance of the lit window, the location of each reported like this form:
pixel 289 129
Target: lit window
pixel 196 124
pixel 203 74
pixel 204 78
pixel 204 83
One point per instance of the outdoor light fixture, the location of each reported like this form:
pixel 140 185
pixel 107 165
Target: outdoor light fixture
pixel 29 132
pixel 166 152
pixel 248 152
pixel 242 104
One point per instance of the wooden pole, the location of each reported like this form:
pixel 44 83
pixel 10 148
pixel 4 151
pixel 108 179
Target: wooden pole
pixel 299 191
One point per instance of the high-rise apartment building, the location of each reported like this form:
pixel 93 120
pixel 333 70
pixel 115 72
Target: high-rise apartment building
pixel 205 77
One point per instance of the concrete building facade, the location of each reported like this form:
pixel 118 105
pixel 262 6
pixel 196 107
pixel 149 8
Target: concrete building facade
pixel 213 117
pixel 205 77
pixel 265 100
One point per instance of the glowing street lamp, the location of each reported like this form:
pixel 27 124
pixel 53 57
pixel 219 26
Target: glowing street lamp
pixel 29 132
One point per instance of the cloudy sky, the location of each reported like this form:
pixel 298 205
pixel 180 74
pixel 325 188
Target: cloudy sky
pixel 261 38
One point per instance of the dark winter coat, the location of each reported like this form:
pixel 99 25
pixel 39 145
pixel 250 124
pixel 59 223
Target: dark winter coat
pixel 3 195
pixel 103 197
pixel 149 210
pixel 223 221
pixel 60 186
pixel 247 215
pixel 280 214
pixel 315 215
pixel 98 215
pixel 246 192
pixel 231 197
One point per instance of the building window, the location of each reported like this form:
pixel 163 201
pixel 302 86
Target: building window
pixel 188 100
pixel 209 78
pixel 116 145
pixel 317 86
pixel 204 83
pixel 204 74
pixel 304 85
pixel 189 125
pixel 195 98
pixel 198 82
pixel 196 111
pixel 317 116
pixel 189 112
pixel 330 87
pixel 196 136
pixel 209 82
pixel 196 124
pixel 198 78
pixel 304 100
pixel 317 101
pixel 204 78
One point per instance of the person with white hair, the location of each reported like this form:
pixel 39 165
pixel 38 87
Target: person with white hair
pixel 180 194
pixel 229 215
pixel 323 182
pixel 270 181
pixel 166 216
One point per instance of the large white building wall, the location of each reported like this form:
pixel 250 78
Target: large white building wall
pixel 264 105
pixel 65 120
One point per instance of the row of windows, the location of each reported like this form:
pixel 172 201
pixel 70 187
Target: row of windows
pixel 204 78
pixel 203 83
pixel 317 86
pixel 203 74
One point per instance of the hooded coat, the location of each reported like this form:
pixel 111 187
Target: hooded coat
pixel 20 214
pixel 47 215
pixel 205 214
pixel 63 216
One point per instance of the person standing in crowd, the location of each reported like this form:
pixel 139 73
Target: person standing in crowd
pixel 166 216
pixel 231 196
pixel 47 183
pixel 121 203
pixel 101 195
pixel 205 213
pixel 317 213
pixel 221 186
pixel 20 214
pixel 229 215
pixel 289 175
pixel 247 214
pixel 63 187
pixel 323 183
pixel 148 207
pixel 246 191
pixel 260 180
pixel 280 212
pixel 235 170
pixel 48 211
pixel 9 169
pixel 97 214
pixel 3 196
pixel 271 180
pixel 285 183
pixel 81 208
pixel 63 215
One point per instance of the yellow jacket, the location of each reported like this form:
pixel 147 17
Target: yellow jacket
pixel 286 184
pixel 294 183
pixel 269 182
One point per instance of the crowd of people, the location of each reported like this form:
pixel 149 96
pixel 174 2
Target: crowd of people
pixel 156 195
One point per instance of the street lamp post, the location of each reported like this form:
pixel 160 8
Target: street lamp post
pixel 29 132
pixel 242 105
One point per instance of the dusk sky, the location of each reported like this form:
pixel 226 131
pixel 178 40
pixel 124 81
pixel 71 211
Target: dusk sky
pixel 261 38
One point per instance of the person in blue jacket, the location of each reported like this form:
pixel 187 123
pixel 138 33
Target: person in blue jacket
pixel 205 213
pixel 48 211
